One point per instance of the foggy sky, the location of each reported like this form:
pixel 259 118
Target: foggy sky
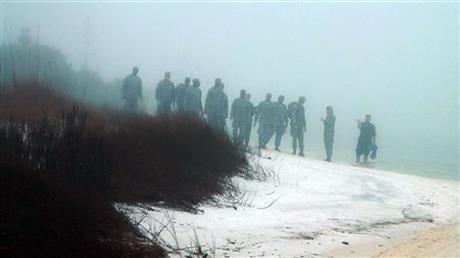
pixel 395 61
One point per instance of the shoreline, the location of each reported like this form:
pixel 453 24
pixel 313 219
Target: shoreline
pixel 380 169
pixel 437 241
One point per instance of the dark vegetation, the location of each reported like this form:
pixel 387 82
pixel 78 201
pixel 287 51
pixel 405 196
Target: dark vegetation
pixel 125 157
pixel 43 217
pixel 63 164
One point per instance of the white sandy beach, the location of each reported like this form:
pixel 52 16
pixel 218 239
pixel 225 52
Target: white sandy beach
pixel 317 209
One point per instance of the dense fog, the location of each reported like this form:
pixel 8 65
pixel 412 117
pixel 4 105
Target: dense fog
pixel 395 61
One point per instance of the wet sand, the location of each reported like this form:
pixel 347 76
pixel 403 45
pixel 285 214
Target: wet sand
pixel 440 242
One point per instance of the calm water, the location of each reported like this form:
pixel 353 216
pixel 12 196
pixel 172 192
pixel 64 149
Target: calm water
pixel 422 158
pixel 430 161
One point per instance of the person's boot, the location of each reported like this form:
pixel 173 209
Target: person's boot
pixel 294 152
pixel 277 149
pixel 264 147
pixel 301 154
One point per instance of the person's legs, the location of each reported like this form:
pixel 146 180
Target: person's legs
pixel 135 106
pixel 366 150
pixel 240 137
pixel 328 145
pixel 243 133
pixel 168 109
pixel 131 106
pixel 248 133
pixel 260 131
pixel 211 122
pixel 162 109
pixel 366 155
pixel 294 139
pixel 240 133
pixel 279 133
pixel 235 128
pixel 361 148
pixel 358 154
pixel 268 133
pixel 221 123
pixel 180 107
pixel 214 123
pixel 294 144
pixel 301 142
pixel 331 149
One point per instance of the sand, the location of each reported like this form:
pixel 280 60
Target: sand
pixel 440 241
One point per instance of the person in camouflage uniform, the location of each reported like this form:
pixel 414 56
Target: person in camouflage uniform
pixel 241 115
pixel 181 89
pixel 264 115
pixel 165 95
pixel 298 125
pixel 329 125
pixel 366 140
pixel 280 119
pixel 248 126
pixel 216 106
pixel 192 99
pixel 131 91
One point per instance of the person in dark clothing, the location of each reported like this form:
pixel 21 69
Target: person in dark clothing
pixel 165 95
pixel 298 125
pixel 329 126
pixel 241 115
pixel 366 139
pixel 131 91
pixel 248 127
pixel 216 106
pixel 280 119
pixel 181 89
pixel 264 115
pixel 192 100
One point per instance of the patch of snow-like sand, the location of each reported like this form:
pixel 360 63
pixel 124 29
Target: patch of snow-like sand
pixel 315 207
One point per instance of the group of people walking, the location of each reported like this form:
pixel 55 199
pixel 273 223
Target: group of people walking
pixel 273 118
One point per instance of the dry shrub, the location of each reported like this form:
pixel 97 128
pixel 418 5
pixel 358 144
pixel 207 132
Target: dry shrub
pixel 173 158
pixel 42 217
pixel 126 157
